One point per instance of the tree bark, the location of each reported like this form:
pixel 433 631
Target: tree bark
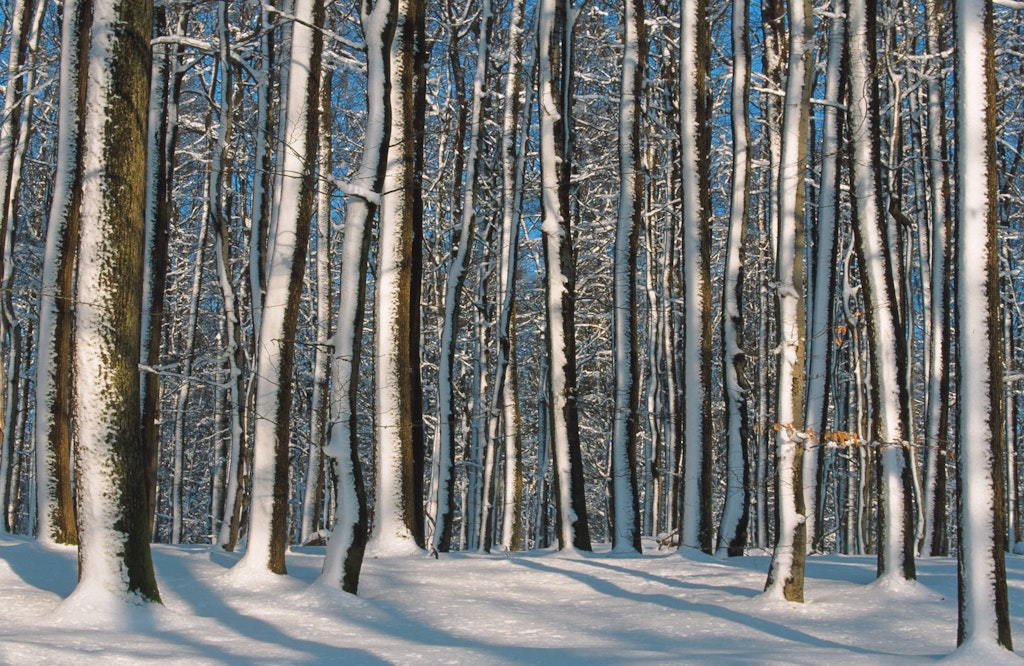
pixel 983 615
pixel 560 272
pixel 113 527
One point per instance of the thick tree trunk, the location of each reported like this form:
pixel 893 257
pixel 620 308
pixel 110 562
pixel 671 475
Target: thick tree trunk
pixel 981 584
pixel 114 556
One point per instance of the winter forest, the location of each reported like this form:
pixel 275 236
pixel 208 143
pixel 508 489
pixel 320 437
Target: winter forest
pixel 419 277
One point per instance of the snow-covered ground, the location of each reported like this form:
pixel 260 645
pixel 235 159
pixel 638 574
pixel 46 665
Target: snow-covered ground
pixel 473 609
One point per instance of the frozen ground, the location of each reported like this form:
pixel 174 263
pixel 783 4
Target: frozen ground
pixel 474 609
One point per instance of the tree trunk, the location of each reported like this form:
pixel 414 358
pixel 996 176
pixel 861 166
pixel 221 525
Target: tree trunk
pixel 113 526
pixel 888 355
pixel 786 574
pixel 936 427
pixel 312 498
pixel 297 187
pixel 395 510
pixel 54 503
pixel 821 322
pixel 625 499
pixel 344 557
pixel 443 492
pixel 560 272
pixel 165 90
pixel 983 616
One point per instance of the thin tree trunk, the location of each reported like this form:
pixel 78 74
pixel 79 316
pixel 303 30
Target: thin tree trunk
pixel 819 371
pixel 560 272
pixel 344 557
pixel 888 354
pixel 297 187
pixel 443 490
pixel 732 536
pixel 55 521
pixel 936 427
pixel 786 574
pixel 625 500
pixel 165 90
pixel 312 498
pixel 395 512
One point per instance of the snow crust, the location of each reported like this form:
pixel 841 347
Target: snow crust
pixel 536 607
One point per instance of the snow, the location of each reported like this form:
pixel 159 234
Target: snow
pixel 473 608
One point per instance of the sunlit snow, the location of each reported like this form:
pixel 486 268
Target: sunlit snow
pixel 477 609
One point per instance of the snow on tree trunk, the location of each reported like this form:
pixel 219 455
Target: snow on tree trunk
pixel 54 502
pixel 936 425
pixel 312 497
pixel 268 511
pixel 819 353
pixel 983 617
pixel 165 90
pixel 184 390
pixel 624 492
pixel 888 356
pixel 343 560
pixel 233 352
pixel 732 535
pixel 394 510
pixel 695 109
pixel 114 556
pixel 442 499
pixel 11 148
pixel 786 573
pixel 505 400
pixel 559 273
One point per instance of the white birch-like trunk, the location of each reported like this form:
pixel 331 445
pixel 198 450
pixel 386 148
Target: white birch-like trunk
pixel 983 617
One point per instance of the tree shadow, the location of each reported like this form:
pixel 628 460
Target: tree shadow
pixel 679 604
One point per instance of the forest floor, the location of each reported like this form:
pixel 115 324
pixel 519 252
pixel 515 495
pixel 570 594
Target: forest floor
pixel 524 608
